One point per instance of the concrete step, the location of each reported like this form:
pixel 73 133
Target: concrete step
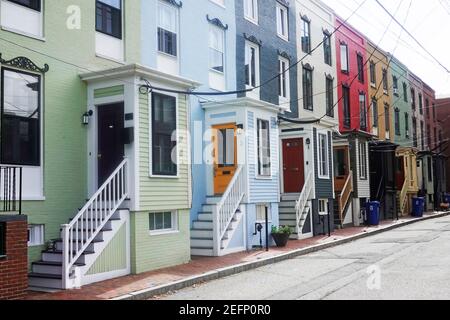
pixel 45 280
pixel 201 243
pixel 201 233
pixel 202 216
pixel 203 225
pixel 54 268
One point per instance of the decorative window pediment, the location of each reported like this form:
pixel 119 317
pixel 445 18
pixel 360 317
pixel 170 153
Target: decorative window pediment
pixel 305 17
pixel 253 39
pixel 307 66
pixel 176 3
pixel 217 22
pixel 327 32
pixel 284 54
pixel 329 76
pixel 24 63
pixel 284 3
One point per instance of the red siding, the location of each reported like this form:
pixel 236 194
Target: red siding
pixel 356 45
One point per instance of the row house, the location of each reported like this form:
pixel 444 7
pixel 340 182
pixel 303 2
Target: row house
pixel 442 108
pixel 307 132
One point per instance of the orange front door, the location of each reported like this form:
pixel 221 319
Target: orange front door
pixel 225 156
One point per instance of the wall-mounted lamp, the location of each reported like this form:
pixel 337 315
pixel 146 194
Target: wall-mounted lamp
pixel 86 117
pixel 308 142
pixel 240 128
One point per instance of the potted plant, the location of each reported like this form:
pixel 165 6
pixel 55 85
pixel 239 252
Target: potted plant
pixel 281 235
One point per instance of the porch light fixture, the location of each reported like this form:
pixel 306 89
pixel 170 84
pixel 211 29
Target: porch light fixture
pixel 86 117
pixel 308 142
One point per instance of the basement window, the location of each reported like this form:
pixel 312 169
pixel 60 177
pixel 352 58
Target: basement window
pixel 35 235
pixel 261 213
pixel 323 207
pixel 161 222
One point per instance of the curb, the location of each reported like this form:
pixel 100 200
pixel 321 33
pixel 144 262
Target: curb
pixel 239 268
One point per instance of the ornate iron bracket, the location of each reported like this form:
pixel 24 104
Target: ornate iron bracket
pixel 217 22
pixel 24 63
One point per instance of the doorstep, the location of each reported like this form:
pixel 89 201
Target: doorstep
pixel 201 269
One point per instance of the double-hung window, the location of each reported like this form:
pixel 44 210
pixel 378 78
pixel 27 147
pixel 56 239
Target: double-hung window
pixel 405 92
pixel 428 136
pixel 251 10
pixel 20 118
pixel 362 160
pixel 360 61
pixel 344 58
pixel 282 21
pixel 363 111
pixel 397 121
pixel 308 89
pixel 395 85
pixel 327 48
pixel 387 119
pixel 251 65
pixel 167 29
pixel 385 81
pixel 164 142
pixel 422 135
pixel 264 163
pixel 283 80
pixel 306 35
pixel 109 17
pixel 406 124
pixel 427 107
pixel 216 48
pixel 420 104
pixel 413 99
pixel 375 112
pixel 373 75
pixel 346 102
pixel 323 156
pixel 329 83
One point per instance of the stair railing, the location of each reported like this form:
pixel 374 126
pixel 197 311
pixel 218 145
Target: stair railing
pixel 227 206
pixel 403 197
pixel 303 201
pixel 91 219
pixel 344 197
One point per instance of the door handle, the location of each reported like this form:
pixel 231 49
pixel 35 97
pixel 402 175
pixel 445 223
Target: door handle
pixel 99 156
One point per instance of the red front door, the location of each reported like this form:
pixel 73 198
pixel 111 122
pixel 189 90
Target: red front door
pixel 293 165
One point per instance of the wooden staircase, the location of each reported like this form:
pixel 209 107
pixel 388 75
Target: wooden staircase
pixel 343 202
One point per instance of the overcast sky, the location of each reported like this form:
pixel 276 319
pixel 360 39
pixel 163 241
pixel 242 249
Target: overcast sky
pixel 428 21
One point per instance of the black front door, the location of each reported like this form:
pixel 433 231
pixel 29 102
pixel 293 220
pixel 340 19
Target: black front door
pixel 110 139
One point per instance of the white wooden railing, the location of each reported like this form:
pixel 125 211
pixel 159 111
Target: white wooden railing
pixel 344 197
pixel 303 201
pixel 90 220
pixel 403 197
pixel 226 208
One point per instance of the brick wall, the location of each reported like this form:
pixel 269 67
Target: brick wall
pixel 14 265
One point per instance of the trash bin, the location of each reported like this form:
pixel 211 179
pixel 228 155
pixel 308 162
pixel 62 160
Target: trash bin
pixel 373 213
pixel 418 207
pixel 446 198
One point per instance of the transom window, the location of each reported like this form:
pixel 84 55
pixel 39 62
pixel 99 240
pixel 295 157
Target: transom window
pixel 251 10
pixel 20 118
pixel 264 163
pixel 216 49
pixel 164 141
pixel 306 35
pixel 251 65
pixel 162 221
pixel 283 80
pixel 109 17
pixel 323 155
pixel 282 21
pixel 167 29
pixel 32 4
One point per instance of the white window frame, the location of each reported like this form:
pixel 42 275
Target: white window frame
pixel 248 46
pixel 150 137
pixel 344 56
pixel 174 222
pixel 323 202
pixel 282 20
pixel 261 215
pixel 323 175
pixel 177 28
pixel 251 5
pixel 36 234
pixel 285 96
pixel 363 170
pixel 220 3
pixel 222 32
pixel 259 150
pixel 39 36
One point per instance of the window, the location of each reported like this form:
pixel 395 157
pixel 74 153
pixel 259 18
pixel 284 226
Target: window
pixel 414 123
pixel 2 239
pixel 251 65
pixel 216 49
pixel 395 85
pixel 20 118
pixel 261 210
pixel 428 137
pixel 413 98
pixel 375 112
pixel 306 35
pixel 422 135
pixel 162 221
pixel 435 138
pixel 405 92
pixel 327 48
pixel 430 169
pixel 385 81
pixel 330 96
pixel 427 107
pixel 387 119
pixel 420 104
pixel 397 121
pixel 362 111
pixel 167 29
pixel 434 111
pixel 32 4
pixel 109 17
pixel 360 61
pixel 251 10
pixel 307 89
pixel 264 163
pixel 406 124
pixel 362 160
pixel 283 79
pixel 164 144
pixel 35 235
pixel 346 101
pixel 323 155
pixel 373 75
pixel 282 21
pixel 344 58
pixel 323 206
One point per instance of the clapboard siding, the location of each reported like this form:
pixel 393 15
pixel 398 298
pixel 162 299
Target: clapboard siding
pixel 162 193
pixel 262 190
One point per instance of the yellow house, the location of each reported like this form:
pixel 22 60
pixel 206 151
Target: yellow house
pixel 406 178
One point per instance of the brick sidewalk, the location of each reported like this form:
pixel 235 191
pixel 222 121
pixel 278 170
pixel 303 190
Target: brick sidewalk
pixel 199 265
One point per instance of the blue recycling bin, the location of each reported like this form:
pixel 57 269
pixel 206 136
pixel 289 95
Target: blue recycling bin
pixel 446 197
pixel 418 207
pixel 373 213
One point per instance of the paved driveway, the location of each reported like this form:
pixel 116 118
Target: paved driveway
pixel 412 262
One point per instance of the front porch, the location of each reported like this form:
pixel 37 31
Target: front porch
pixel 406 179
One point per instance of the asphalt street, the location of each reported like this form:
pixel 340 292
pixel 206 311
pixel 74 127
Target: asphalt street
pixel 412 262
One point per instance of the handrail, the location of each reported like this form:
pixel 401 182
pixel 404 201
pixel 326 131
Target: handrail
pixel 227 206
pixel 11 189
pixel 345 195
pixel 91 219
pixel 403 196
pixel 303 200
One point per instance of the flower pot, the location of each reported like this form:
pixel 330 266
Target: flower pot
pixel 280 239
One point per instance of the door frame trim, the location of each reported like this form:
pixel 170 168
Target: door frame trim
pixel 236 147
pixel 282 158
